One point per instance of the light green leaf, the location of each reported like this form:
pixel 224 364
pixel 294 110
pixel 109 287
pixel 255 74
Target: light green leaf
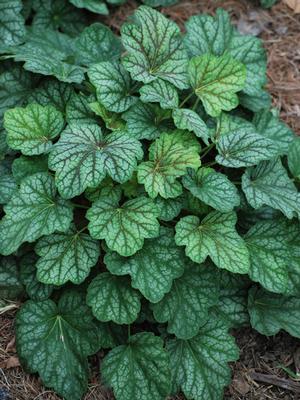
pixel 213 188
pixel 125 227
pixel 161 92
pixel 145 121
pixel 96 6
pixel 267 242
pixel 216 80
pixel 243 147
pixel 55 340
pixel 36 290
pixel 33 211
pixel 31 129
pixel 154 48
pixel 112 120
pixel 10 284
pixel 271 312
pixel 139 369
pixel 226 124
pixel 153 268
pixel 293 157
pixel 66 257
pixel 26 166
pixel 113 299
pixel 199 365
pixel 83 156
pixel 186 306
pixel 169 158
pixel 78 110
pixel 52 92
pixel 269 126
pixel 190 120
pixel 215 236
pixel 269 184
pixel 12 24
pixel 113 85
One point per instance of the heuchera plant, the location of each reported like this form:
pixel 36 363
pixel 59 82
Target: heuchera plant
pixel 150 200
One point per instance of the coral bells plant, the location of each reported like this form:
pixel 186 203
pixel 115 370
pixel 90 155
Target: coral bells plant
pixel 150 201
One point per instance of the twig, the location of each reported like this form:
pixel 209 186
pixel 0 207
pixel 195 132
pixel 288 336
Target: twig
pixel 274 380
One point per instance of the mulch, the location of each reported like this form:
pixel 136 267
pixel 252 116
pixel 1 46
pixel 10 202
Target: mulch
pixel 267 366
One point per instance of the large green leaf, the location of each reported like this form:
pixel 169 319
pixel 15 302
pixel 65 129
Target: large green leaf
pixel 153 268
pixel 8 184
pixel 216 80
pixel 213 188
pixel 269 184
pixel 243 147
pixel 113 299
pixel 96 6
pixel 215 236
pixel 12 24
pixel 145 121
pixel 78 110
pixel 185 118
pixel 169 157
pixel 36 290
pixel 55 340
pixel 31 129
pixel 169 208
pixel 83 156
pixel 199 365
pixel 217 36
pixel 186 306
pixel 113 85
pixel 267 242
pixel 154 48
pixel 125 227
pixel 10 283
pixel 293 157
pixel 139 369
pixel 25 166
pixel 161 92
pixel 269 126
pixel 66 257
pixel 33 211
pixel 271 312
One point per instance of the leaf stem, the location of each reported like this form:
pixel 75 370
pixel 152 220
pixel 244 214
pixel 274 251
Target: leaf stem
pixel 80 206
pixel 196 104
pixel 186 99
pixel 129 333
pixel 207 149
pixel 210 164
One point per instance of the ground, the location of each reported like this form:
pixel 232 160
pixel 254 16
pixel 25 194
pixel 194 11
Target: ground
pixel 263 360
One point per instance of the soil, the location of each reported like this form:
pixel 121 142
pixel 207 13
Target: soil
pixel 276 358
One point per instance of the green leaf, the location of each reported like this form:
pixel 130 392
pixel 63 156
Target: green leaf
pixel 78 110
pixel 95 44
pixel 33 211
pixel 215 236
pixel 168 208
pixel 12 24
pixel 153 268
pixel 113 299
pixel 107 188
pixel 8 185
pixel 66 257
pixel 10 284
pixel 269 254
pixel 293 157
pixel 271 312
pixel 186 306
pixel 243 147
pixel 31 129
pixel 54 93
pixel 226 124
pixel 55 340
pixel 158 3
pixel 190 120
pixel 113 85
pixel 169 158
pixel 161 92
pixel 83 156
pixel 139 369
pixel 199 365
pixel 233 298
pixel 216 80
pixel 125 227
pixel 36 290
pixel 154 48
pixel 26 166
pixel 217 36
pixel 213 188
pixel 112 120
pixel 269 184
pixel 95 6
pixel 269 126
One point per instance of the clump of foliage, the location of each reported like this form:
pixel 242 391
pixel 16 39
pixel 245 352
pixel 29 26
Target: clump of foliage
pixel 150 201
